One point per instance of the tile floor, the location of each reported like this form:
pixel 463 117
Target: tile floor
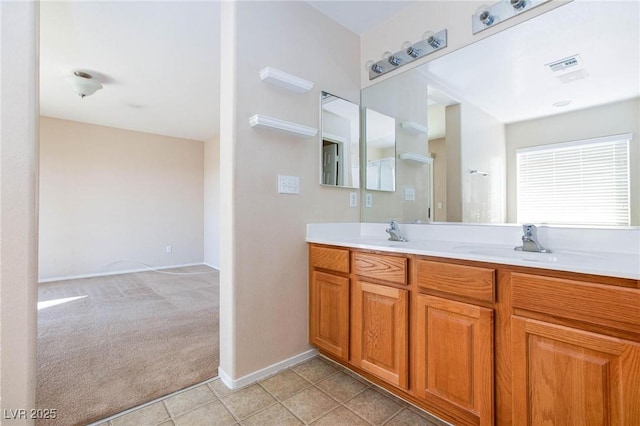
pixel 316 392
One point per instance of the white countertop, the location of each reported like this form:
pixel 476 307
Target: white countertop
pixel 615 257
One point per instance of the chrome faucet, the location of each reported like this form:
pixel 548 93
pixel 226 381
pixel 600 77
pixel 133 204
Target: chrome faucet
pixel 394 232
pixel 530 240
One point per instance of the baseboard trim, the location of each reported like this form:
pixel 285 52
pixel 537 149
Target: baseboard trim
pixel 119 272
pixel 232 383
pixel 217 268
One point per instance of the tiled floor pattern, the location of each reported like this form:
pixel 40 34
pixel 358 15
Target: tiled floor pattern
pixel 316 392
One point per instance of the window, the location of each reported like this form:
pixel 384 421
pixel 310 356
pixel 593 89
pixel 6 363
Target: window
pixel 580 182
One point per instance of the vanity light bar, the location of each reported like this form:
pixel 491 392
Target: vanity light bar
pixel 488 16
pixel 413 52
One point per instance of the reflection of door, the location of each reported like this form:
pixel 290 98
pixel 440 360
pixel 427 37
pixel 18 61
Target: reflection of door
pixel 381 174
pixel 330 163
pixel 387 174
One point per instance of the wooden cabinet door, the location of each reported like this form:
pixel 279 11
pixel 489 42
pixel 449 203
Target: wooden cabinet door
pixel 453 365
pixel 379 331
pixel 564 376
pixel 329 313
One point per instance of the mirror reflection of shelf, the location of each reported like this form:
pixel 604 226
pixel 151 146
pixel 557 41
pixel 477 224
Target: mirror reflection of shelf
pixel 418 158
pixel 414 128
pixel 259 121
pixel 285 80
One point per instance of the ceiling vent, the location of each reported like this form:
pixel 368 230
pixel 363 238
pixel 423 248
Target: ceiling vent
pixel 563 64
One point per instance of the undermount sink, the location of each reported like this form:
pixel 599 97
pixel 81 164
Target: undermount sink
pixel 510 253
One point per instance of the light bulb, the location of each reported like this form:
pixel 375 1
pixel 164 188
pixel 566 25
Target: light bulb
pixel 430 38
pixel 518 4
pixel 427 35
pixel 485 16
pixel 372 66
pixel 393 60
pixel 408 48
pixel 367 66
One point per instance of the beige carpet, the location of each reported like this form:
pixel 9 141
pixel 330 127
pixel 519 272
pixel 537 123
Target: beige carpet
pixel 125 340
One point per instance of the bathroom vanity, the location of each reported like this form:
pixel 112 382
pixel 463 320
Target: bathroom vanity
pixel 479 342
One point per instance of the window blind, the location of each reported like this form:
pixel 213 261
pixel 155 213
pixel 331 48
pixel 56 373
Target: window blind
pixel 579 182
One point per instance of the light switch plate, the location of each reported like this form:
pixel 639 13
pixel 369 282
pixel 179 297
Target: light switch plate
pixel 288 184
pixel 368 200
pixel 353 199
pixel 409 194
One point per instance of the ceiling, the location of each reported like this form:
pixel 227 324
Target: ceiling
pixel 158 61
pixel 359 16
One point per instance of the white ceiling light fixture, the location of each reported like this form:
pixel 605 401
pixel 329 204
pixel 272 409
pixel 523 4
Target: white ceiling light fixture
pixel 83 83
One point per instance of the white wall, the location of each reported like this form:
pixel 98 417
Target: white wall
pixel 263 307
pixel 109 195
pixel 453 169
pixel 483 149
pixel 606 120
pixel 212 202
pixel 403 98
pixel 438 147
pixel 18 205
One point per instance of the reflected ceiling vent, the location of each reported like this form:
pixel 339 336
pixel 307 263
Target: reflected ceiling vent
pixel 563 64
pixel 569 69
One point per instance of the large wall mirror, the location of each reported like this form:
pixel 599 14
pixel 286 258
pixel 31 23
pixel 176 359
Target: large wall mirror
pixel 340 142
pixel 513 121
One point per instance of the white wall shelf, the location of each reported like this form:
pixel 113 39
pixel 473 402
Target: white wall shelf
pixel 285 80
pixel 259 121
pixel 415 128
pixel 419 158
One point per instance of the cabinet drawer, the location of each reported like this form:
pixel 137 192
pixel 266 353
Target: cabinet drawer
pixel 459 280
pixel 387 268
pixel 333 259
pixel 599 304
